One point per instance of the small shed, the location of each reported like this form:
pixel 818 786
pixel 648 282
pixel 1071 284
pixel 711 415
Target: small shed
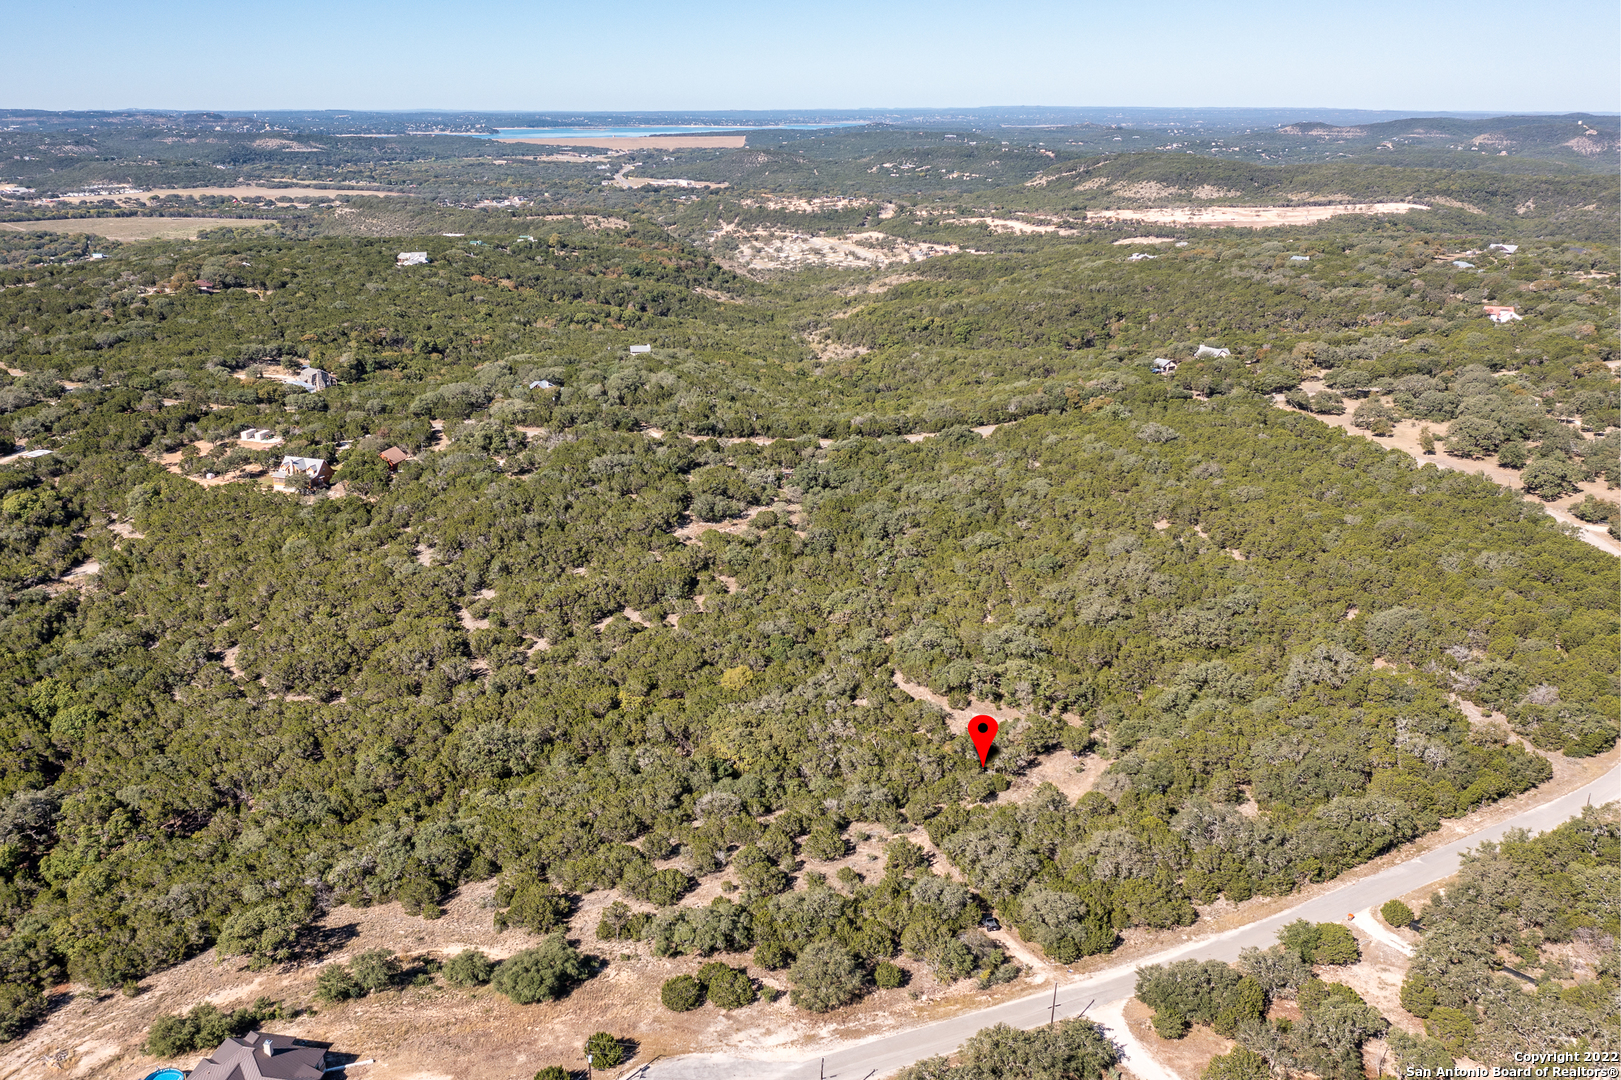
pixel 641 348
pixel 393 457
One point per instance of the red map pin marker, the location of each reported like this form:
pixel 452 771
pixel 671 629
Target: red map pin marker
pixel 982 729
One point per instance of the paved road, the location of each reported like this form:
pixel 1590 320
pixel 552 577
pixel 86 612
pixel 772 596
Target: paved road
pixel 884 1054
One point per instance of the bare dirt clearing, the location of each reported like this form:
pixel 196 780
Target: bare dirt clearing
pixel 1005 225
pixel 769 250
pixel 1247 217
pixel 136 228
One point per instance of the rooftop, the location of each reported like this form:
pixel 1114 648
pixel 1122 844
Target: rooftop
pixel 259 1055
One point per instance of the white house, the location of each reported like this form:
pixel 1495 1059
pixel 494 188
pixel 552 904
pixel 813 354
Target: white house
pixel 1206 350
pixel 411 258
pixel 259 435
pixel 1500 315
pixel 1163 366
pixel 1506 249
pixel 314 470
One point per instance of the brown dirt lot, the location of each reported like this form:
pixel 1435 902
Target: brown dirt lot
pixel 139 228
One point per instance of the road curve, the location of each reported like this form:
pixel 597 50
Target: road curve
pixel 884 1054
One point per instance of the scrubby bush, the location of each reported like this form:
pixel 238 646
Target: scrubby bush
pixel 1396 913
pixel 335 983
pixel 21 1007
pixel 1169 1023
pixel 619 923
pixel 726 987
pixel 1208 993
pixel 205 1027
pixel 888 976
pixel 266 934
pixel 604 1051
pixel 825 842
pixel 1594 511
pixel 374 970
pixel 1239 1064
pixel 1320 943
pixel 682 993
pixel 470 967
pixel 1336 945
pixel 663 888
pixel 544 973
pixel 536 906
pixel 824 977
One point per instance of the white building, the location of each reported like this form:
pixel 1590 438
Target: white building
pixel 411 258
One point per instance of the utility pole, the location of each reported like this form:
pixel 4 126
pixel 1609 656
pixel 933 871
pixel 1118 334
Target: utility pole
pixel 1052 1011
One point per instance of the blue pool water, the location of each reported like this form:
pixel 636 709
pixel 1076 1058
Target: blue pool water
pixel 167 1074
pixel 635 132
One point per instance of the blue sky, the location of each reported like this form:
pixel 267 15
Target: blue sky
pixel 1416 55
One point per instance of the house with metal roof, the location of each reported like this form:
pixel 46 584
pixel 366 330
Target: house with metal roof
pixel 259 1055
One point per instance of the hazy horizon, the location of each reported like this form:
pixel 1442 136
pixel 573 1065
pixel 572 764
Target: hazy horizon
pixel 1447 57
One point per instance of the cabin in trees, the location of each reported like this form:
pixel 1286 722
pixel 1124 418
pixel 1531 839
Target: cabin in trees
pixel 316 379
pixel 259 1055
pixel 300 474
pixel 1498 314
pixel 393 456
pixel 1163 366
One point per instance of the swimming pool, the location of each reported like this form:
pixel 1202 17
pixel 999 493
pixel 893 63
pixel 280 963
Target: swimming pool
pixel 167 1074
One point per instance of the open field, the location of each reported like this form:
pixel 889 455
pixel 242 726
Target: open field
pixel 138 228
pixel 652 142
pixel 1248 217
